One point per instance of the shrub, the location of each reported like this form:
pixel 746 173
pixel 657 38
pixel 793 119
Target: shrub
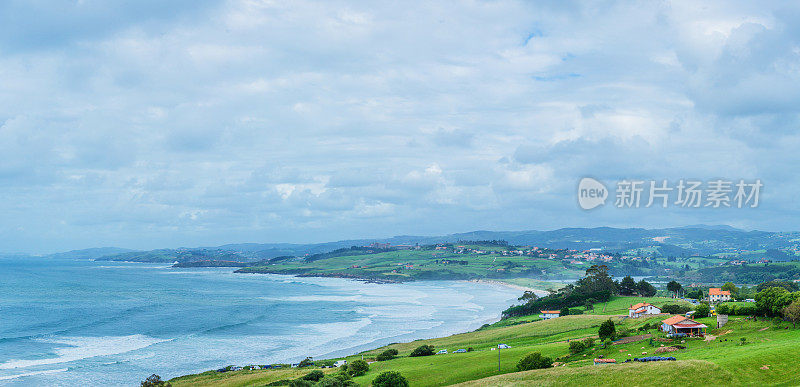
pixel 701 310
pixel 470 349
pixel 340 379
pixel 534 361
pixel 607 330
pixel 575 311
pixel 422 350
pixel 313 376
pixel 564 312
pixel 607 343
pixel 154 381
pixel 576 346
pixel 297 383
pixel 388 354
pixel 306 363
pixel 357 368
pixel 390 379
pixel 675 308
pixel 588 342
pixel 725 308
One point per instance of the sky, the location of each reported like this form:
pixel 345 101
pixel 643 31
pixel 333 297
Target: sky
pixel 156 124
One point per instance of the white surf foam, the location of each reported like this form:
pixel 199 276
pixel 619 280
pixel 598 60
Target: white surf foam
pixel 78 348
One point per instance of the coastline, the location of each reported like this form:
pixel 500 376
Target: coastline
pixel 538 292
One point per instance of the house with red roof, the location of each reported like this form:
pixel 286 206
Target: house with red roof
pixel 642 309
pixel 548 314
pixel 682 324
pixel 718 295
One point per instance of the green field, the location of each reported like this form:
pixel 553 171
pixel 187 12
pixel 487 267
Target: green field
pixel 769 356
pixel 431 264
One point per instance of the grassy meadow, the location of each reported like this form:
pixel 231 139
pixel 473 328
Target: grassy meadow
pixel 767 356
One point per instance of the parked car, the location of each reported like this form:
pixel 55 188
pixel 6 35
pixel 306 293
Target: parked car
pixel 460 351
pixel 339 363
pixel 442 352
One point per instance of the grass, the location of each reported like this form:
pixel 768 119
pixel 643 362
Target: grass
pixel 722 361
pixel 620 305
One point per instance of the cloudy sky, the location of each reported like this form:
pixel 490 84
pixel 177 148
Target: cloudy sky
pixel 195 123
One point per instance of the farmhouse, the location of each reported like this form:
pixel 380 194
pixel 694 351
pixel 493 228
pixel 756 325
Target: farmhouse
pixel 718 295
pixel 548 314
pixel 683 325
pixel 642 309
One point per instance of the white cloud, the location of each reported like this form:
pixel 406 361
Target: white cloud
pixel 255 120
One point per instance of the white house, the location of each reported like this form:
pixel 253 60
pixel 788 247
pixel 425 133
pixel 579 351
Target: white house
pixel 339 363
pixel 642 309
pixel 718 295
pixel 548 314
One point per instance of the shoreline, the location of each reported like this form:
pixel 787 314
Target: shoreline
pixel 538 292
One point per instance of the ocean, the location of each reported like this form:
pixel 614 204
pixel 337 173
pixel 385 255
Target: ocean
pixel 71 321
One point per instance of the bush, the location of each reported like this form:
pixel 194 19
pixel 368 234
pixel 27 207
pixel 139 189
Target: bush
pixel 470 349
pixel 388 354
pixel 357 368
pixel 422 350
pixel 534 361
pixel 607 330
pixel 298 383
pixel 390 379
pixel 575 311
pixel 675 308
pixel 154 381
pixel 701 310
pixel 305 363
pixel 313 376
pixel 564 312
pixel 340 379
pixel 607 343
pixel 588 342
pixel 725 308
pixel 576 346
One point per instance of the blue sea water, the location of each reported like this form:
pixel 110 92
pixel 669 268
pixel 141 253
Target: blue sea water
pixel 79 322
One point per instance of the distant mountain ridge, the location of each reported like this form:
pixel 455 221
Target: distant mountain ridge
pixel 677 241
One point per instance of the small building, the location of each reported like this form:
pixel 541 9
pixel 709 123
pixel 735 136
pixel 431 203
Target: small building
pixel 683 325
pixel 339 363
pixel 642 309
pixel 718 295
pixel 548 314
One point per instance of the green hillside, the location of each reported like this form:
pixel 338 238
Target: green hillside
pixel 768 355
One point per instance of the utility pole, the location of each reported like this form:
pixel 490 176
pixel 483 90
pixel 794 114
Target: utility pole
pixel 498 359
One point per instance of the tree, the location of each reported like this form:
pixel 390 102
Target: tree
pixel 388 354
pixel 357 368
pixel 792 312
pixel 701 310
pixel 390 379
pixel 645 289
pixel 154 381
pixel 772 300
pixel 306 363
pixel 534 361
pixel 607 330
pixel 422 350
pixel 596 280
pixel 674 287
pixel 576 346
pixel 788 285
pixel 627 287
pixel 528 296
pixel 563 312
pixel 589 304
pixel 729 286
